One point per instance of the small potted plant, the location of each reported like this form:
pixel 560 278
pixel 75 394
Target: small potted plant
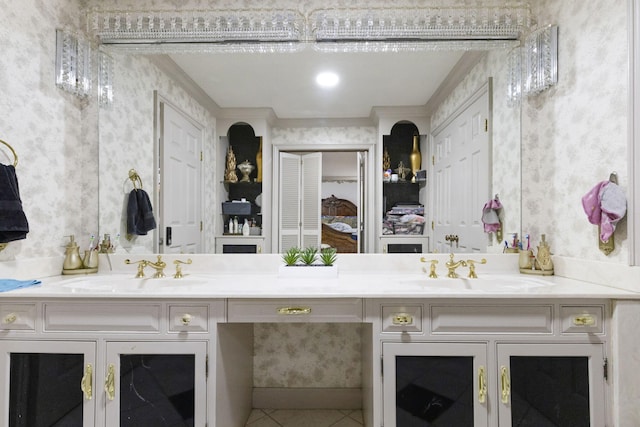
pixel 308 257
pixel 328 256
pixel 291 257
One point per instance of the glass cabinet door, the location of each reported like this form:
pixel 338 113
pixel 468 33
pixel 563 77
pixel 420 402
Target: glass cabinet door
pixel 553 385
pixel 434 384
pixel 47 383
pixel 156 384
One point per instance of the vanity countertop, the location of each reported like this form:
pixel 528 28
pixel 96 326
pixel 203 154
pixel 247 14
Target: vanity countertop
pixel 368 276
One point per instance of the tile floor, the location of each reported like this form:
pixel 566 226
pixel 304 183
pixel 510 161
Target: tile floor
pixel 305 418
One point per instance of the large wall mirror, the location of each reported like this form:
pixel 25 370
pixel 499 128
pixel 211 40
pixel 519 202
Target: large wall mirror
pixel 215 85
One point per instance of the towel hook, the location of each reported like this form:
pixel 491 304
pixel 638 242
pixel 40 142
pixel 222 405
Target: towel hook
pixel 134 177
pixel 613 177
pixel 15 155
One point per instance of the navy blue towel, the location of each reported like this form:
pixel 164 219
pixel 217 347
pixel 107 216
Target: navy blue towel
pixel 13 221
pixel 140 218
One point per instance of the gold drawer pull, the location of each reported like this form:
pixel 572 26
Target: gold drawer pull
pixel 109 384
pixel 294 310
pixel 505 386
pixel 10 318
pixel 86 385
pixel 584 320
pixel 402 319
pixel 482 385
pixel 186 319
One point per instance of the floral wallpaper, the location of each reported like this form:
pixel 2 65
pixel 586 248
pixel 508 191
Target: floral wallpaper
pixel 48 128
pixel 127 142
pixel 505 156
pixel 307 355
pixel 575 133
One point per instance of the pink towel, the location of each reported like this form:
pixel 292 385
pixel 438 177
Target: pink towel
pixel 605 204
pixel 491 214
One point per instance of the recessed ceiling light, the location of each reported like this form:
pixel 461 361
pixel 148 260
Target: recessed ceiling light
pixel 327 79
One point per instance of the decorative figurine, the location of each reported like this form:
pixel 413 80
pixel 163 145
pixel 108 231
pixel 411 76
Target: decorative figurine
pixel 230 171
pixel 246 168
pixel 402 171
pixel 386 160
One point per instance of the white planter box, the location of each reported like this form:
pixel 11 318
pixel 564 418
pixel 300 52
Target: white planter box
pixel 311 271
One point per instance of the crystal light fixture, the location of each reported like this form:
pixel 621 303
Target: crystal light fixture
pixel 73 63
pixel 196 26
pixel 540 60
pixel 514 77
pixel 445 23
pixel 105 79
pixel 330 25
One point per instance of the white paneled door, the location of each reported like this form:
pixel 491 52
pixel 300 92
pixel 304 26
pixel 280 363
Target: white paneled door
pixel 180 182
pixel 461 176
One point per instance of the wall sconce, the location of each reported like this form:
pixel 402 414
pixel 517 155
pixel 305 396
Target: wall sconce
pixel 540 60
pixel 533 67
pixel 514 79
pixel 105 79
pixel 73 63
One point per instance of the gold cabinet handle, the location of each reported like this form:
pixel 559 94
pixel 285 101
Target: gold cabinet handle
pixel 86 385
pixel 402 319
pixel 186 319
pixel 505 386
pixel 584 320
pixel 294 310
pixel 10 318
pixel 482 385
pixel 109 384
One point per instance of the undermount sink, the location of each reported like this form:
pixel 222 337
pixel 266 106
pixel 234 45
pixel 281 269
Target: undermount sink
pixel 126 283
pixel 486 283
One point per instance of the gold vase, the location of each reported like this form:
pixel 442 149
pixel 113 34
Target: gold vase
pixel 415 158
pixel 259 162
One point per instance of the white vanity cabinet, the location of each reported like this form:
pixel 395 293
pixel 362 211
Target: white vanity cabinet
pixel 115 363
pixel 441 384
pixel 47 383
pixel 496 363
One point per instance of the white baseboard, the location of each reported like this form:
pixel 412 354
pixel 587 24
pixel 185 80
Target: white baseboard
pixel 307 398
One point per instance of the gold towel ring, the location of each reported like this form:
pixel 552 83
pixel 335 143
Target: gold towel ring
pixel 134 177
pixel 15 156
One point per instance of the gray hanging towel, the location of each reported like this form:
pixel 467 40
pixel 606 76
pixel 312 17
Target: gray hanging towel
pixel 140 218
pixel 13 221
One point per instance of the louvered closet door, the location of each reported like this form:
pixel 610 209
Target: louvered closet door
pixel 289 209
pixel 300 186
pixel 311 188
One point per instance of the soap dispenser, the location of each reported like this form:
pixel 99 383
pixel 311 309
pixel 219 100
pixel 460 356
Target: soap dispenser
pixel 72 260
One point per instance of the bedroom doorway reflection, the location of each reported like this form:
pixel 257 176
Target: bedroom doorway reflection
pixel 322 200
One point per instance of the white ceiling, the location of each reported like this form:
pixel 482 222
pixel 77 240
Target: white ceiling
pixel 285 82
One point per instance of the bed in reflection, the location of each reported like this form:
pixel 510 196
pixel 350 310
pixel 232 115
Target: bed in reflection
pixel 339 221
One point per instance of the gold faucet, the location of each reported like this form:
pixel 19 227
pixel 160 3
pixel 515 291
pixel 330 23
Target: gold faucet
pixel 472 267
pixel 452 265
pixel 159 266
pixel 177 262
pixel 432 269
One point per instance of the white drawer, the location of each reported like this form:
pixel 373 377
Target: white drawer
pixel 188 318
pixel 342 310
pixel 114 316
pixel 401 318
pixel 18 317
pixel 492 319
pixel 582 319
